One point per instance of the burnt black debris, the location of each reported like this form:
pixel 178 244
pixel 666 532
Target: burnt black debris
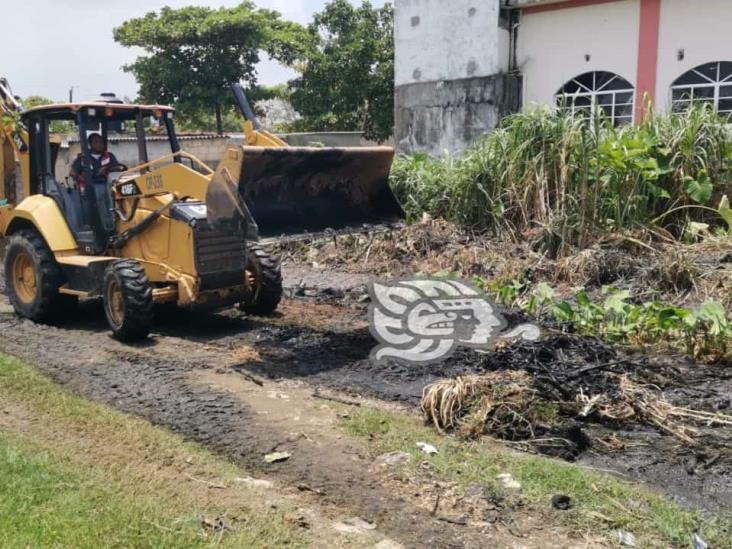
pixel 561 502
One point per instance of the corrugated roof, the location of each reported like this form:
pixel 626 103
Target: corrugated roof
pixel 116 138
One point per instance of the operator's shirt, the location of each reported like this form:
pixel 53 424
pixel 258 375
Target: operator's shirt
pixel 98 162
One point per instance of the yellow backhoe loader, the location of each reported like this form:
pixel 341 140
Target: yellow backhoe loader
pixel 166 230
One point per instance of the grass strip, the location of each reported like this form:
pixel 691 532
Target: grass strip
pixel 79 474
pixel 602 503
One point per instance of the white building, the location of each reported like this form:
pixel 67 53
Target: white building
pixel 577 53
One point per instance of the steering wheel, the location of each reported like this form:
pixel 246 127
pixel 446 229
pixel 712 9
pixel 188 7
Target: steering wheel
pixel 118 167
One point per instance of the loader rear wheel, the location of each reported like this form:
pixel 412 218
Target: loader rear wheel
pixel 33 278
pixel 128 300
pixel 264 280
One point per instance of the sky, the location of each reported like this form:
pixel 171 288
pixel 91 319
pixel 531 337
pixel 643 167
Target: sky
pixel 49 46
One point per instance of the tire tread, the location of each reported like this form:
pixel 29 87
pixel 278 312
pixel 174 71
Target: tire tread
pixel 50 304
pixel 138 297
pixel 269 293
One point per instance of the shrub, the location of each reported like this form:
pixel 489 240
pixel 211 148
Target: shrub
pixel 566 180
pixel 704 332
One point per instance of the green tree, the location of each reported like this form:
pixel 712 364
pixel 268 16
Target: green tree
pixel 57 126
pixel 347 80
pixel 35 101
pixel 193 55
pixel 231 118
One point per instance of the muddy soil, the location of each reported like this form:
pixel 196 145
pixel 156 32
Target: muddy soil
pixel 321 339
pixel 338 357
pixel 187 377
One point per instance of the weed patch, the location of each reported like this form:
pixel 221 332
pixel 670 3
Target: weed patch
pixel 602 504
pixel 705 332
pixel 563 182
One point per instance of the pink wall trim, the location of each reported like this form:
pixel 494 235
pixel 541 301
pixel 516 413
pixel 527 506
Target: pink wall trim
pixel 650 20
pixel 562 5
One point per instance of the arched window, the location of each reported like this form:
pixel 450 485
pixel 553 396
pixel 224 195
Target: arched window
pixel 607 90
pixel 710 83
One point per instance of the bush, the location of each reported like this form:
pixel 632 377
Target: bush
pixel 566 180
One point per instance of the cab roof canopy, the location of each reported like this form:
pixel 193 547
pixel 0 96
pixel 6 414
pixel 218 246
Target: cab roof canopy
pixel 110 111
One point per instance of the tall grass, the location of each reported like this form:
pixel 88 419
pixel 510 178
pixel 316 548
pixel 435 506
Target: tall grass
pixel 565 180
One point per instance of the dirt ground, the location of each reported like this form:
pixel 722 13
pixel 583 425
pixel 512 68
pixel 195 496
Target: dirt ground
pixel 188 377
pixel 245 387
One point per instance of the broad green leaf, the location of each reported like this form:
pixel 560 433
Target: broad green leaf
pixel 544 292
pixel 671 316
pixel 656 191
pixel 726 212
pixel 714 314
pixel 616 302
pixel 582 298
pixel 563 311
pixel 699 191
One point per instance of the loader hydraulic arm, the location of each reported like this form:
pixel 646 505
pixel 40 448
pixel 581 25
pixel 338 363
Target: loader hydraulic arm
pixel 254 133
pixel 13 147
pixel 10 108
pixel 120 241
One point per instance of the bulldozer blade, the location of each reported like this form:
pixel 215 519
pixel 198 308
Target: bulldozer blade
pixel 292 190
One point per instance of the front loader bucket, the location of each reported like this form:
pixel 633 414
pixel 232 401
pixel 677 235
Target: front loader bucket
pixel 292 190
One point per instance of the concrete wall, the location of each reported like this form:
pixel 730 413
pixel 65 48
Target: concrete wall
pixel 504 50
pixel 451 86
pixel 329 139
pixel 208 149
pixel 553 45
pixel 435 117
pixel 701 29
pixel 440 40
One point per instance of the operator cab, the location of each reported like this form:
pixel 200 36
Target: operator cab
pixel 86 202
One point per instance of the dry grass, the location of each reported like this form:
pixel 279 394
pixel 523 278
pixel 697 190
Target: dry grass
pixel 502 404
pixel 510 406
pixel 245 354
pixel 616 257
pixel 649 264
pixel 673 272
pixel 429 246
pixel 646 404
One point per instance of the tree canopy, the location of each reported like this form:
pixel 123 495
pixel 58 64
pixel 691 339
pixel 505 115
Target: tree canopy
pixel 194 54
pixel 347 79
pixel 56 126
pixel 193 119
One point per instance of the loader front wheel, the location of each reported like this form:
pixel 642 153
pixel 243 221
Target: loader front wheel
pixel 33 278
pixel 128 300
pixel 264 282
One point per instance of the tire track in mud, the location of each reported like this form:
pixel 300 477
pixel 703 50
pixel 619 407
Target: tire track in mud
pixel 155 380
pixel 338 357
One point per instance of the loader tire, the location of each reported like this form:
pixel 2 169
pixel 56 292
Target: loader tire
pixel 33 278
pixel 128 300
pixel 265 278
